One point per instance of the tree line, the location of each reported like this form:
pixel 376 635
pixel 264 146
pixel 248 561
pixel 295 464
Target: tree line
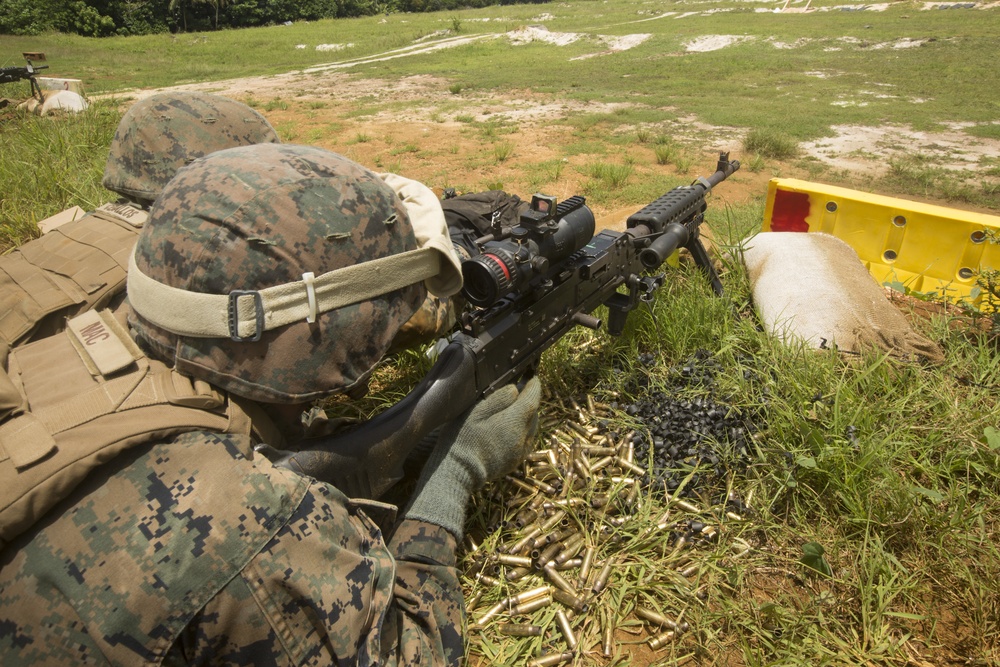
pixel 104 18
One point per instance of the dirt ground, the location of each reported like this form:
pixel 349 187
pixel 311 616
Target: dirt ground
pixel 419 127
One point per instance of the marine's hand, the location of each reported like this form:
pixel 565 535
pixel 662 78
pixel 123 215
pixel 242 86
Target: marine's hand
pixel 495 435
pixel 485 443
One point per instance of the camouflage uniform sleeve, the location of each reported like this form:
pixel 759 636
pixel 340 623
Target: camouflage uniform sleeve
pixel 424 624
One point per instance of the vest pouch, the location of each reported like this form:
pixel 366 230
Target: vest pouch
pixel 78 266
pixel 76 417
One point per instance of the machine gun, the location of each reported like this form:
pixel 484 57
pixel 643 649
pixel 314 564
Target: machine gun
pixel 530 285
pixel 12 74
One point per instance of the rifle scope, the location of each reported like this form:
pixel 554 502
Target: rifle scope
pixel 545 235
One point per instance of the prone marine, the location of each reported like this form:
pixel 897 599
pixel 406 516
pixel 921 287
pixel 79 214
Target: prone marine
pixel 139 523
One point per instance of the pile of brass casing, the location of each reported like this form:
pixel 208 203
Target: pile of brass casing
pixel 557 540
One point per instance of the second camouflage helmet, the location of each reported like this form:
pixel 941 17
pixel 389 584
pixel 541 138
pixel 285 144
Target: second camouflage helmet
pixel 162 133
pixel 281 273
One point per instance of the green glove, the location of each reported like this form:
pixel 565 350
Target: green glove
pixel 486 443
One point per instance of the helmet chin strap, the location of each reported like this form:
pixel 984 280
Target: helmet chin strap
pixel 243 315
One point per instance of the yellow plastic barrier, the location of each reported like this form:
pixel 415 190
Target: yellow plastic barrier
pixel 926 248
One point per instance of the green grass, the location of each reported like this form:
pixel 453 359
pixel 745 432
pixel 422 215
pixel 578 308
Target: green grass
pixel 770 144
pixel 49 164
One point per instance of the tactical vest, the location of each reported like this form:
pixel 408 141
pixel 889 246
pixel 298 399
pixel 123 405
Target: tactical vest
pixel 77 399
pixel 78 266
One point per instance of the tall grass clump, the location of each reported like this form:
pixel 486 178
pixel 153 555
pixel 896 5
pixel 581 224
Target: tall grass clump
pixel 770 144
pixel 503 151
pixel 608 174
pixel 48 164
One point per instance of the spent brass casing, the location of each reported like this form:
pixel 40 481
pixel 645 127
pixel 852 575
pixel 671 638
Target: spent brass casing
pixel 491 612
pixel 599 451
pixel 517 573
pixel 519 630
pixel 553 520
pixel 564 502
pixel 608 640
pixel 551 659
pixel 487 580
pixel 689 571
pixel 530 594
pixel 538 456
pixel 525 542
pixel 524 486
pixel 571 546
pixel 632 497
pixel 473 602
pixel 577 604
pixel 547 554
pixel 628 465
pixel 602 578
pixel 563 533
pixel 581 467
pixel 582 430
pixel 541 486
pixel 655 617
pixel 601 463
pixel 516 561
pixel 566 628
pixel 569 483
pixel 558 580
pixel 661 640
pixel 571 564
pixel 588 561
pixel 685 505
pixel 525 517
pixel 553 459
pixel 531 605
pixel 563 437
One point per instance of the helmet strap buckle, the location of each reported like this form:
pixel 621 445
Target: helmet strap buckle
pixel 309 278
pixel 234 317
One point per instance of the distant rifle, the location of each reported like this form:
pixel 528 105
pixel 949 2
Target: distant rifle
pixel 12 74
pixel 530 285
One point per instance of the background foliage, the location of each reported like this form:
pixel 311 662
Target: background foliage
pixel 103 18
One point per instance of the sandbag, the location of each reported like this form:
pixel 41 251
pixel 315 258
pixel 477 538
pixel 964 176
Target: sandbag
pixel 813 287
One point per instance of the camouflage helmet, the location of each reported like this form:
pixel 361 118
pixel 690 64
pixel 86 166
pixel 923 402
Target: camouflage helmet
pixel 160 134
pixel 281 273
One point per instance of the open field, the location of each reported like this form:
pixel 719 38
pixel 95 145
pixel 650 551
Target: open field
pixel 891 467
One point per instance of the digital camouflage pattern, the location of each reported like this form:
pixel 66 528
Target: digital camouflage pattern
pixel 434 318
pixel 258 216
pixel 162 133
pixel 188 552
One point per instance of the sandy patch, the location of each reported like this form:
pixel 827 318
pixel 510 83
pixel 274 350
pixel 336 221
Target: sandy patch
pixel 881 7
pixel 614 43
pixel 867 150
pixel 902 43
pixel 329 47
pixel 958 5
pixel 535 33
pixel 801 41
pixel 713 42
